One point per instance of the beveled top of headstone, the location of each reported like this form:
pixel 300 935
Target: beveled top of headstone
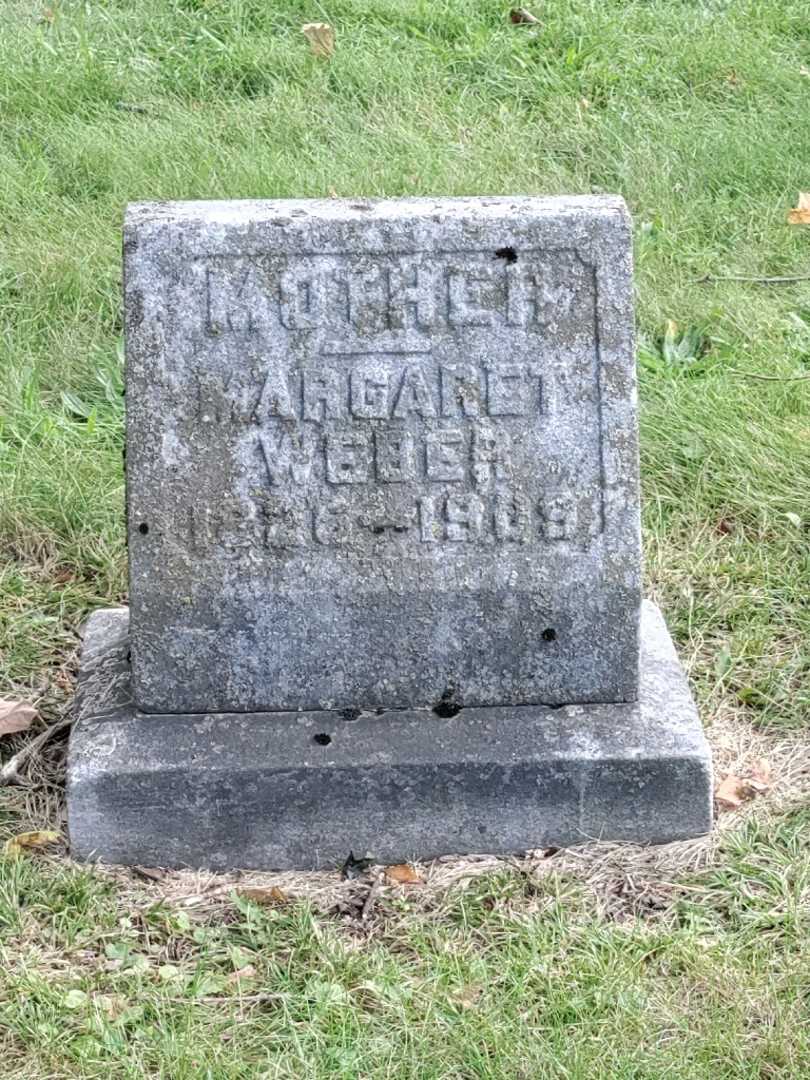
pixel 381 454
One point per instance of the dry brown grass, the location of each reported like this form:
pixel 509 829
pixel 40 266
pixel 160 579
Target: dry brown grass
pixel 607 870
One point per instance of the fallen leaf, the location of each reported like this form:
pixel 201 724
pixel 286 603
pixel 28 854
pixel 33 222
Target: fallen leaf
pixel 801 215
pixel 321 38
pixel 17 844
pixel 468 996
pixel 15 716
pixel 149 873
pixel 273 895
pixel 247 972
pixel 735 790
pixel 520 16
pixel 168 972
pixel 403 874
pixel 803 70
pixel 760 778
pixel 730 792
pixel 74 999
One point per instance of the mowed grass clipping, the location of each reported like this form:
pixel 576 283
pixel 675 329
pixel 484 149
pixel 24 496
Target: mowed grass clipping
pixel 697 114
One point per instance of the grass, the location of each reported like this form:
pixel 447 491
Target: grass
pixel 695 113
pixel 526 971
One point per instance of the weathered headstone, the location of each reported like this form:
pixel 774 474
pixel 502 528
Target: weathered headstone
pixel 383 520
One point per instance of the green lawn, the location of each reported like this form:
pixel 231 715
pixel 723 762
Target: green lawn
pixel 698 114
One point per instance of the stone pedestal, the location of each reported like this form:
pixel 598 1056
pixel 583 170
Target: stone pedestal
pixel 383 524
pixel 302 789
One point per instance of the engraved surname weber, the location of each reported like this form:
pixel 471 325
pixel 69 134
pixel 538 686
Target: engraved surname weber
pixel 479 454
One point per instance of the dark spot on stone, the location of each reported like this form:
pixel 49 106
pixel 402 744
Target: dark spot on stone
pixel 135 307
pixel 143 528
pixel 449 704
pixel 549 634
pixel 378 530
pixel 354 867
pixel 322 739
pixel 380 710
pixel 350 714
pixel 129 656
pixel 507 253
pixel 482 829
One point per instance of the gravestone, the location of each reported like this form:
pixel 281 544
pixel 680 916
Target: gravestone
pixel 383 523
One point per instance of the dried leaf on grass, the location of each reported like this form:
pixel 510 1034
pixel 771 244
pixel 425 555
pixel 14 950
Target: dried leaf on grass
pixel 28 840
pixel 266 897
pixel 520 16
pixel 403 874
pixel 242 975
pixel 468 996
pixel 16 716
pixel 801 215
pixel 321 38
pixel 729 792
pixel 149 873
pixel 734 790
pixel 760 778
